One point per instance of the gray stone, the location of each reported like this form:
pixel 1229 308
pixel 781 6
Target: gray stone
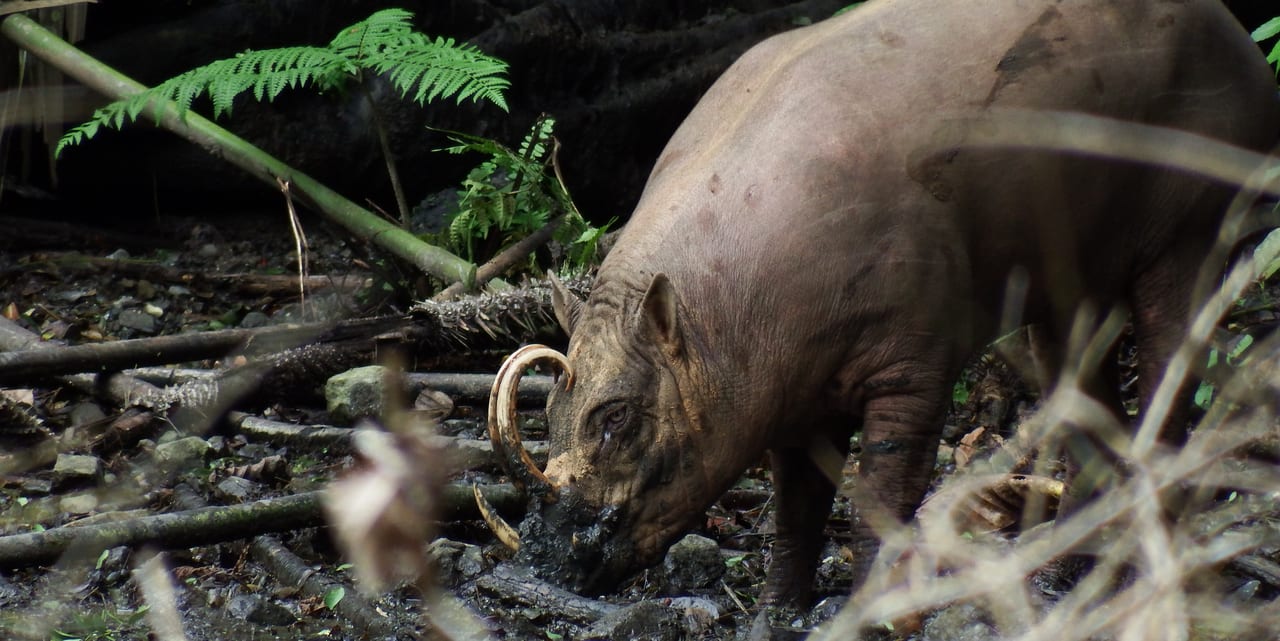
pixel 693 562
pixel 74 469
pixel 359 393
pixel 78 503
pixel 455 561
pixel 254 319
pixel 239 488
pixel 34 486
pixel 138 320
pixel 256 609
pixel 642 620
pixel 182 452
pixel 700 615
pixel 218 445
pixel 86 412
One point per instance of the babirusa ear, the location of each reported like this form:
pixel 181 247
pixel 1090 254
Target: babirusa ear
pixel 657 315
pixel 566 304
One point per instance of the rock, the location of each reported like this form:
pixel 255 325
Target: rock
pixel 78 503
pixel 218 445
pixel 700 615
pixel 693 562
pixel 76 469
pixel 239 488
pixel 254 319
pixel 182 452
pixel 35 486
pixel 10 594
pixel 455 561
pixel 642 620
pixel 137 320
pixel 86 412
pixel 256 609
pixel 358 393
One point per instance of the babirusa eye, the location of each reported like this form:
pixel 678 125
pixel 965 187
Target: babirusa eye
pixel 615 419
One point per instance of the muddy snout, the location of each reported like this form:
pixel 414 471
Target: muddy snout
pixel 573 544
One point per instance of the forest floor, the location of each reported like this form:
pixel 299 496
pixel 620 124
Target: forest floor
pixel 68 459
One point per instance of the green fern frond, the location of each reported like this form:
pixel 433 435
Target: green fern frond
pixel 371 35
pixel 385 42
pixel 537 137
pixel 430 69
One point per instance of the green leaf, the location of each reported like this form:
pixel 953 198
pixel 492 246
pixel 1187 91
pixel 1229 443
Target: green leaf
pixel 333 596
pixel 1268 29
pixel 1204 395
pixel 847 9
pixel 1238 349
pixel 960 392
pixel 384 42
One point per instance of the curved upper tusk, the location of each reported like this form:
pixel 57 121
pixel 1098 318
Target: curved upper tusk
pixel 503 431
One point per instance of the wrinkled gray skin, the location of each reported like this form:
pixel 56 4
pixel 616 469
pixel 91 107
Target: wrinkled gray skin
pixel 798 267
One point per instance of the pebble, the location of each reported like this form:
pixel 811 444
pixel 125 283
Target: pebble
pixel 357 393
pixel 239 488
pixel 137 320
pixel 254 319
pixel 259 610
pixel 78 503
pixel 74 469
pixel 693 562
pixel 86 412
pixel 191 449
pixel 641 620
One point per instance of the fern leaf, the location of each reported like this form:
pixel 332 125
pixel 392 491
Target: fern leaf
pixel 385 42
pixel 74 135
pixel 427 70
pixel 134 106
pixel 371 35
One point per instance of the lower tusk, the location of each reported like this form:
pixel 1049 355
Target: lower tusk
pixel 503 530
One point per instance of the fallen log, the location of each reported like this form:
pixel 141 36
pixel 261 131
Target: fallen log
pixel 466 453
pixel 203 526
pixel 515 586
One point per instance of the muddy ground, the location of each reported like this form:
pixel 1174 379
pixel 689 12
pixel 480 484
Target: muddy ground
pixel 84 287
